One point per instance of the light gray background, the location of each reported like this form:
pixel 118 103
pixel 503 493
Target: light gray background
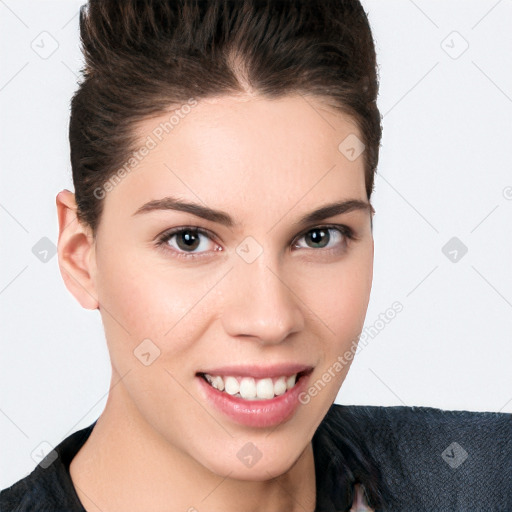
pixel 445 171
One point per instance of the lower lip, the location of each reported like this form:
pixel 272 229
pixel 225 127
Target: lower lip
pixel 256 413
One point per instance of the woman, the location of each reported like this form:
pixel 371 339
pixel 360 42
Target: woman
pixel 223 157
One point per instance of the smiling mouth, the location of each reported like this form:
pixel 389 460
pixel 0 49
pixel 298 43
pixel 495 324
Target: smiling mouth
pixel 250 388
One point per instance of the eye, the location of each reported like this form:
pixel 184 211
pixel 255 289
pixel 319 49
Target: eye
pixel 185 241
pixel 320 237
pixel 194 242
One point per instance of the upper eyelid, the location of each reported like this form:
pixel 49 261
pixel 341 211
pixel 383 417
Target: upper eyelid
pixel 167 234
pixel 339 227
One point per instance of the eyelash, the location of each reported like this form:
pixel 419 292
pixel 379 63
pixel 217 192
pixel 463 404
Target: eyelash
pixel 162 240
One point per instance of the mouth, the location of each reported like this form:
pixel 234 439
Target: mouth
pixel 248 387
pixel 256 396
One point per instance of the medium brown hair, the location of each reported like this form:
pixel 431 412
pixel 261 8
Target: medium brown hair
pixel 141 57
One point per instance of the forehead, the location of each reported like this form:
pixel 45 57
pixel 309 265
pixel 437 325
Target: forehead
pixel 233 151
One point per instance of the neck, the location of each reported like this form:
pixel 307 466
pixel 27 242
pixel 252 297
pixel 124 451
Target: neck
pixel 126 465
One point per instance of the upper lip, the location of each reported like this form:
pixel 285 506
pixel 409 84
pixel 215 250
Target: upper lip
pixel 259 371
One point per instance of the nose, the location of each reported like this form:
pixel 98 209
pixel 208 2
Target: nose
pixel 260 304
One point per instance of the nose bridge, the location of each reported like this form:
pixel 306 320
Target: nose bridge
pixel 261 304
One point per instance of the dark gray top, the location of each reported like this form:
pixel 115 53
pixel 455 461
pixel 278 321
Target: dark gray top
pixel 410 459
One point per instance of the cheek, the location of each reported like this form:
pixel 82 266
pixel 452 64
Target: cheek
pixel 155 301
pixel 340 302
pixel 341 294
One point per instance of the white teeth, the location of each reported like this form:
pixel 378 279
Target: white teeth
pixel 264 388
pixel 249 388
pixel 280 386
pixel 218 383
pixel 231 385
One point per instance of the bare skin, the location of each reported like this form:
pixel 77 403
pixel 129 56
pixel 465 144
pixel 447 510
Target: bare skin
pixel 159 445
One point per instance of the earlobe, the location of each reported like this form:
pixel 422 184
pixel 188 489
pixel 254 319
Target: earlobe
pixel 76 252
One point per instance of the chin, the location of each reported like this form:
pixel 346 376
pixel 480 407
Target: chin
pixel 257 460
pixel 265 469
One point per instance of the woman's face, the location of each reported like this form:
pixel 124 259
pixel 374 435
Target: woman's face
pixel 255 296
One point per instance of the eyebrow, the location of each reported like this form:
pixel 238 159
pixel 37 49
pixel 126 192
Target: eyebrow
pixel 220 217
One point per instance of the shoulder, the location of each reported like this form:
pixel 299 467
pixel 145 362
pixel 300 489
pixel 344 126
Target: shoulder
pixel 48 488
pixel 416 422
pixel 433 458
pixel 40 487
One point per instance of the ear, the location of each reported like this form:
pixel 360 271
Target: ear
pixel 76 251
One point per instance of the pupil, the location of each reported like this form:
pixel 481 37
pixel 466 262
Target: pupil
pixel 316 235
pixel 189 238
